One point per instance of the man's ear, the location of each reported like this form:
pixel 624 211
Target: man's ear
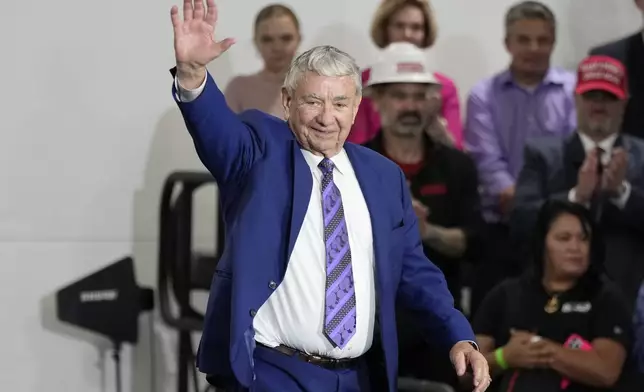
pixel 287 101
pixel 356 107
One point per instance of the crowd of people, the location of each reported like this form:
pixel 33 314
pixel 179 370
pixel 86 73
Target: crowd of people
pixel 536 186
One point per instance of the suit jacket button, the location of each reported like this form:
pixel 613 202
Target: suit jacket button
pixel 272 285
pixel 253 312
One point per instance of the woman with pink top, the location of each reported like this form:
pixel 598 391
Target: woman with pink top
pixel 412 21
pixel 277 37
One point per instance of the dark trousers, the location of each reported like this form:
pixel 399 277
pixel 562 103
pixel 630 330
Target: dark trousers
pixel 277 372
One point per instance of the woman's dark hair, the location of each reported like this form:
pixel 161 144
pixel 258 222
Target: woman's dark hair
pixel 549 212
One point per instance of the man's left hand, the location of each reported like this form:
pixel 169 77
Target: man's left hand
pixel 615 173
pixel 438 131
pixel 427 230
pixel 548 350
pixel 464 355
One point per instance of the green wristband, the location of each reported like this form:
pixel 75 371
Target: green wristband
pixel 500 360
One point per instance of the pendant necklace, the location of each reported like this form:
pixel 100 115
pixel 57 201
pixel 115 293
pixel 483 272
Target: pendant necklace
pixel 552 305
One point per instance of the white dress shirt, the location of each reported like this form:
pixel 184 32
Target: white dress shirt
pixel 607 147
pixel 294 314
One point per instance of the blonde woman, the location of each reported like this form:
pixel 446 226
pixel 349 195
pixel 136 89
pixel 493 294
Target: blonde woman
pixel 277 37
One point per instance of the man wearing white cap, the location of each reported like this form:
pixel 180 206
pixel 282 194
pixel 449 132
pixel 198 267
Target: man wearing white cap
pixel 442 179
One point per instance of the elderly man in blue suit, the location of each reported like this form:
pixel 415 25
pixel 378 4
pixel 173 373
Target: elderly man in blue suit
pixel 321 236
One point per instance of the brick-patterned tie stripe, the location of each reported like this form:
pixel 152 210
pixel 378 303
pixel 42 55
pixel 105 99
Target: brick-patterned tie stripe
pixel 340 303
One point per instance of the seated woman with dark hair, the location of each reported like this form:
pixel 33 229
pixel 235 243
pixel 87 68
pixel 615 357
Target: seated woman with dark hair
pixel 562 325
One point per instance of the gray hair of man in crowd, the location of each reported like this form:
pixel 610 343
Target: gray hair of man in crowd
pixel 325 61
pixel 530 10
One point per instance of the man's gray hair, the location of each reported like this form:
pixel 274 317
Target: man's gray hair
pixel 527 10
pixel 325 61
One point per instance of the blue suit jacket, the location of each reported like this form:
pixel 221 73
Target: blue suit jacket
pixel 265 186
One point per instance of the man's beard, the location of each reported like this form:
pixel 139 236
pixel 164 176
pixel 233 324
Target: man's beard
pixel 600 129
pixel 409 124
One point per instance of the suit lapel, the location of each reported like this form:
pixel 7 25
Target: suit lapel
pixel 371 187
pixel 574 156
pixel 302 185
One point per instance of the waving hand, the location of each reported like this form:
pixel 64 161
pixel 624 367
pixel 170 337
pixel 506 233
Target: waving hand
pixel 195 44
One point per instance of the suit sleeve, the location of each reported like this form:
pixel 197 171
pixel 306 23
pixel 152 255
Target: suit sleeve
pixel 232 95
pixel 632 215
pixel 531 193
pixel 423 289
pixel 226 145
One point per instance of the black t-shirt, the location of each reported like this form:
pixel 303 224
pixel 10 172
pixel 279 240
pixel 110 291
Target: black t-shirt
pixel 520 304
pixel 446 181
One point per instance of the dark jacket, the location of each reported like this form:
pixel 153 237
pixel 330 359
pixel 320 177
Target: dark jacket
pixel 630 51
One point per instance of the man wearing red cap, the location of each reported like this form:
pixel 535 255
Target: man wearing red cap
pixel 597 166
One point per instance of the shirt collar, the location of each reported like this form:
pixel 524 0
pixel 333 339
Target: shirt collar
pixel 553 76
pixel 606 145
pixel 340 160
pixel 589 144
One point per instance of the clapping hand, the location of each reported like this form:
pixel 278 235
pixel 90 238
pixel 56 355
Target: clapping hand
pixel 427 231
pixel 438 131
pixel 526 350
pixel 194 41
pixel 615 173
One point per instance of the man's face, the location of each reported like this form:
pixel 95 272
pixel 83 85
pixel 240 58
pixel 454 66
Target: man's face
pixel 321 112
pixel 407 25
pixel 530 43
pixel 406 109
pixel 599 114
pixel 277 39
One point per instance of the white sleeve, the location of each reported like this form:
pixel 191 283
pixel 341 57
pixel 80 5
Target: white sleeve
pixel 185 95
pixel 621 200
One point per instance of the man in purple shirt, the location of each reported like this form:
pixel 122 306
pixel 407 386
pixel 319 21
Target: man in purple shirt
pixel 529 99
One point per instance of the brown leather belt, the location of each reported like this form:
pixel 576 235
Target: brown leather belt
pixel 324 362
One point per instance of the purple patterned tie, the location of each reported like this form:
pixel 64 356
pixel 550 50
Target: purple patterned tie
pixel 340 304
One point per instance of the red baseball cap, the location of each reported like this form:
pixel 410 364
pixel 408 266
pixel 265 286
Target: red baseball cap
pixel 602 73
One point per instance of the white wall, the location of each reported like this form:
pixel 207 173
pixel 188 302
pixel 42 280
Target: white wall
pixel 89 131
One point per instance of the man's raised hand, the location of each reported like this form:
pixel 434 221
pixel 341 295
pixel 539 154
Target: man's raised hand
pixel 194 40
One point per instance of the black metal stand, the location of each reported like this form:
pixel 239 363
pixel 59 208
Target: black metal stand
pixel 116 356
pixel 180 269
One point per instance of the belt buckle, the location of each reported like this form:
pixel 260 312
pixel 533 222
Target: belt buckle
pixel 315 358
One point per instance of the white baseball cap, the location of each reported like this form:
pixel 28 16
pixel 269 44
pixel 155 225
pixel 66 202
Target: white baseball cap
pixel 401 62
